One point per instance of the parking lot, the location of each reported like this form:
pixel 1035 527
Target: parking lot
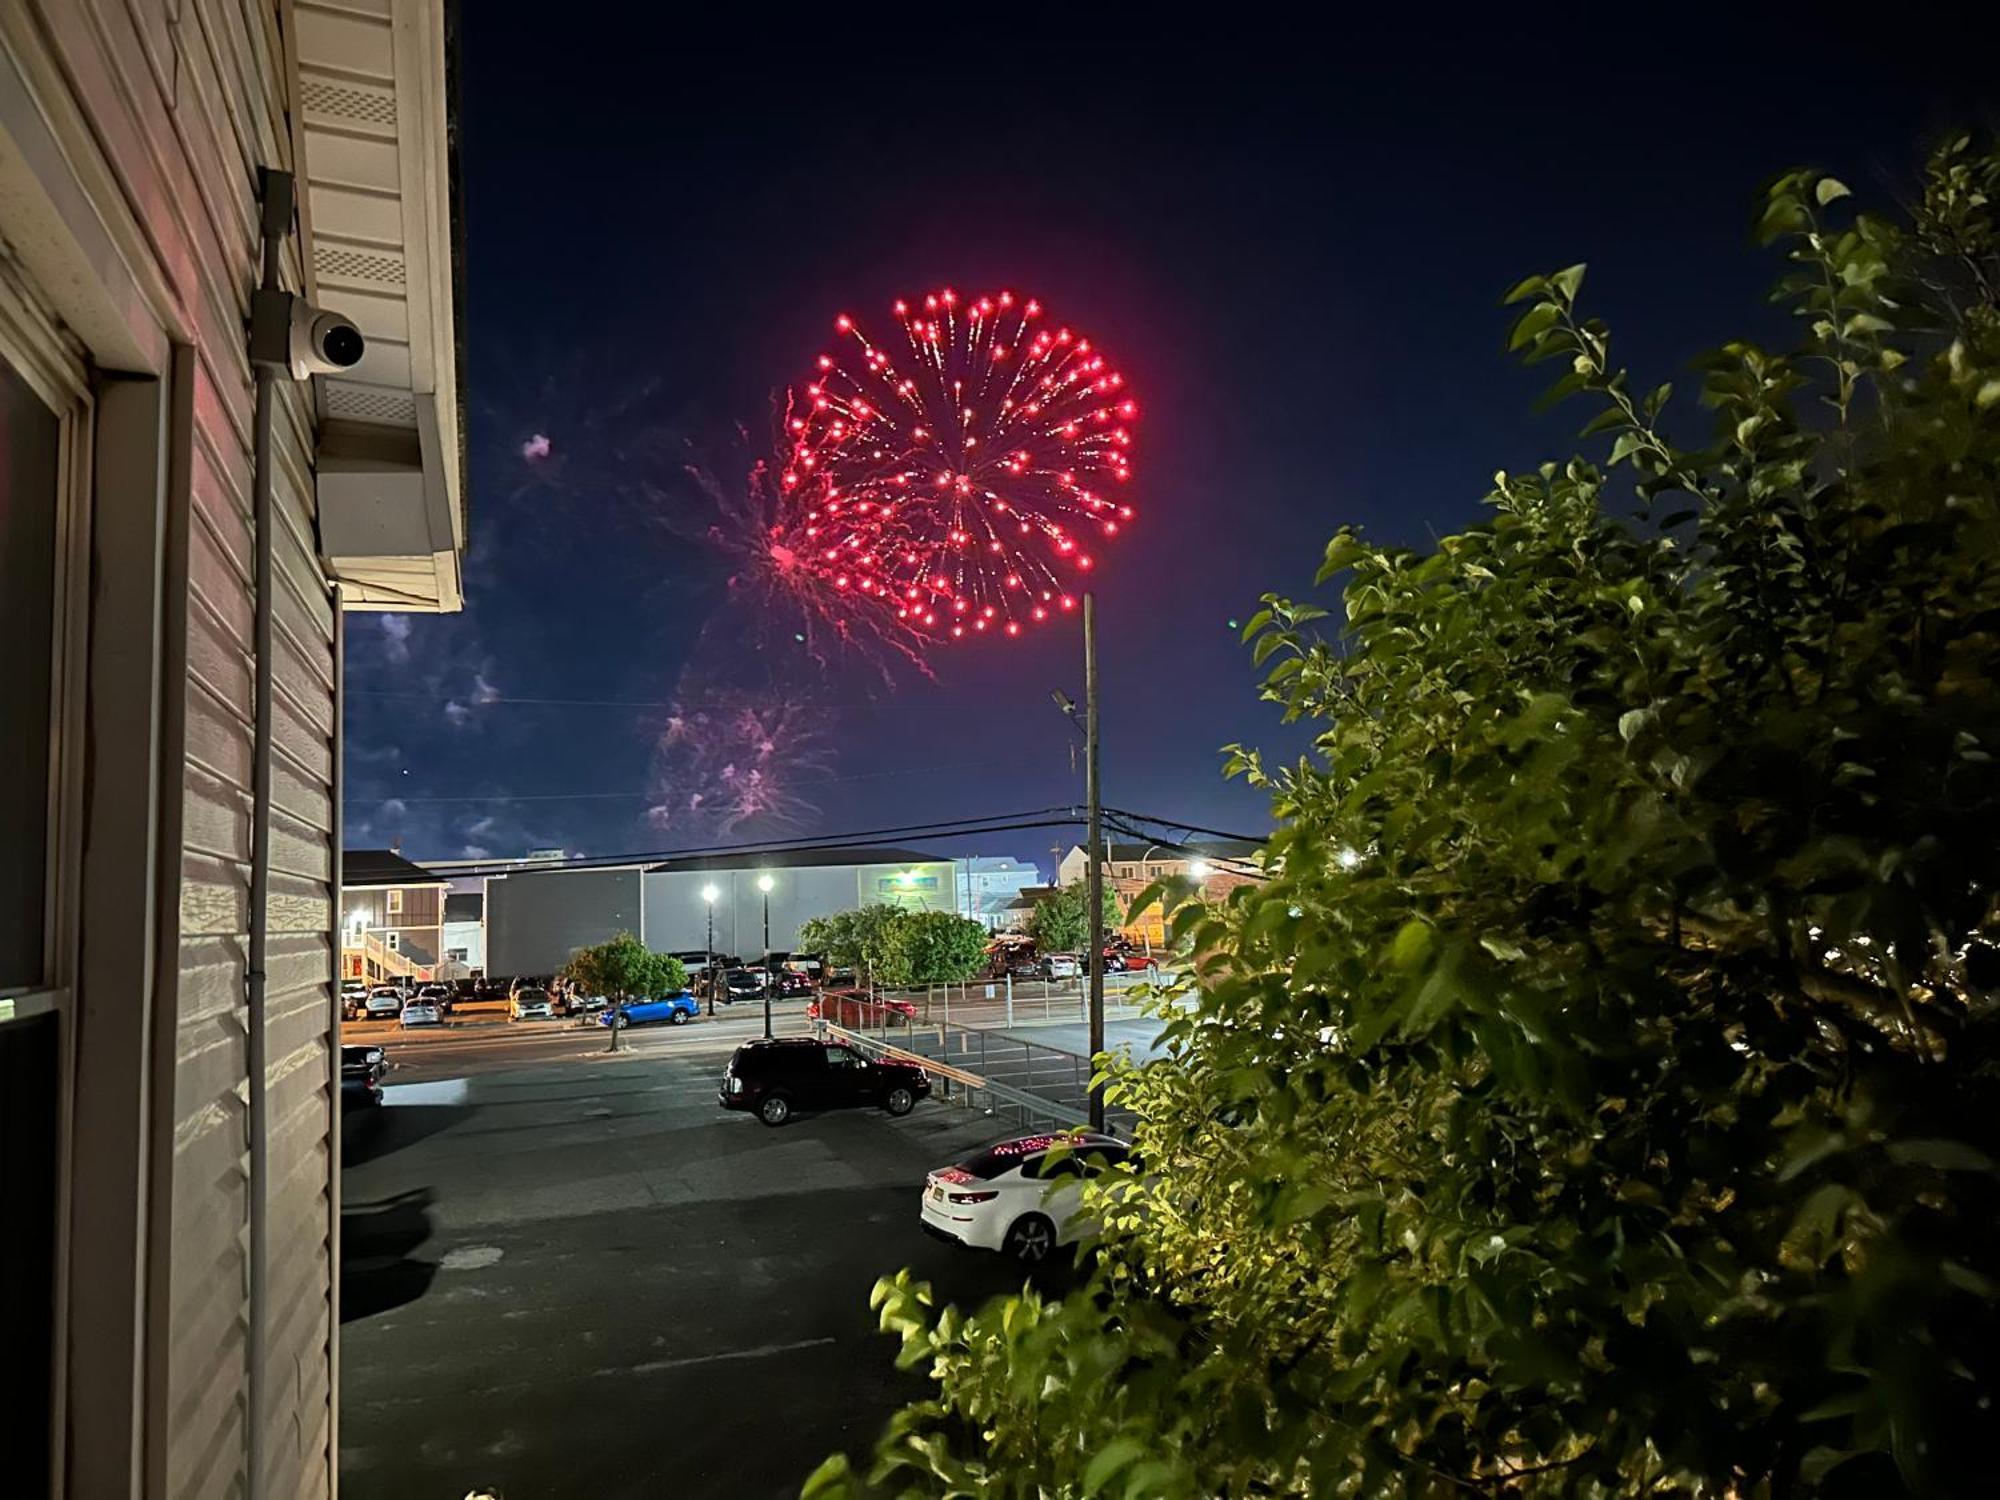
pixel 581 1277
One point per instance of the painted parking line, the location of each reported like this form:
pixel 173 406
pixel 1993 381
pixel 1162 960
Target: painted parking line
pixel 762 1351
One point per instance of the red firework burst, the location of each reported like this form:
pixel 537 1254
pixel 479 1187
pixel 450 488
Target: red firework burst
pixel 961 479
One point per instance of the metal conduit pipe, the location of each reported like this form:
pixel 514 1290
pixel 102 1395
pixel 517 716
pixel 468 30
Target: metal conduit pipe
pixel 333 1067
pixel 276 225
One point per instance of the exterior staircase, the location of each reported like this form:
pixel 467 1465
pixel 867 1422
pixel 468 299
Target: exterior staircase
pixel 380 963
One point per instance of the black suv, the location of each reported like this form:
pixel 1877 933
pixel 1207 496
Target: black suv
pixel 777 1077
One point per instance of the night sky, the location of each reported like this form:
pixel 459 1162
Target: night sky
pixel 1293 245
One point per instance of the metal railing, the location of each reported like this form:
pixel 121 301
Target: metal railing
pixel 1009 1002
pixel 380 961
pixel 975 1087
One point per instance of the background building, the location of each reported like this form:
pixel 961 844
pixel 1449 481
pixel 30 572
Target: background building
pixel 169 1306
pixel 464 934
pixel 536 919
pixel 1016 915
pixel 1130 868
pixel 391 917
pixel 988 887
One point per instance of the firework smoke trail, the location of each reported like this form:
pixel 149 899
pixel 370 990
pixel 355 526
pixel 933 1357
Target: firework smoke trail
pixel 729 761
pixel 958 484
pixel 784 608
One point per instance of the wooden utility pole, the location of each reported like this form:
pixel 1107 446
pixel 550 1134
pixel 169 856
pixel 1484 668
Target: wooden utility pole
pixel 1095 885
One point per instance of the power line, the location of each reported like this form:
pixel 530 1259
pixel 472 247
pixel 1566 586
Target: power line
pixel 466 870
pixel 1247 838
pixel 952 769
pixel 1060 816
pixel 1049 817
pixel 484 700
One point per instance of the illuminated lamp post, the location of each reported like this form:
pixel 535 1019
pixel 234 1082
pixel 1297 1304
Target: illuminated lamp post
pixel 766 884
pixel 708 895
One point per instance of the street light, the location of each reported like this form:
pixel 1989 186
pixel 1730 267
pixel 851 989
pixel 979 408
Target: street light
pixel 766 884
pixel 708 895
pixel 1200 869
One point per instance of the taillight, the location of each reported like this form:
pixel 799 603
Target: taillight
pixel 735 1084
pixel 972 1197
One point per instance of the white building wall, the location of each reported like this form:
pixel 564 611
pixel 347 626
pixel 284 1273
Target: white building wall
pixel 471 936
pixel 677 916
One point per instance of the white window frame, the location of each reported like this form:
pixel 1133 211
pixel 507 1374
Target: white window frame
pixel 394 902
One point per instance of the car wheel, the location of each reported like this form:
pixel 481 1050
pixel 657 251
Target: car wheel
pixel 899 1101
pixel 680 1018
pixel 1030 1238
pixel 775 1109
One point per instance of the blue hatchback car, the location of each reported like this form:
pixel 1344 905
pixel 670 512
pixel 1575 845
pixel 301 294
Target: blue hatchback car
pixel 673 1009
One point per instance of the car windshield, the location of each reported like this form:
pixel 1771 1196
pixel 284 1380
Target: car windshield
pixel 529 996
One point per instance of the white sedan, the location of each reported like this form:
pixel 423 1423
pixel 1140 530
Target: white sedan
pixel 422 1013
pixel 1013 1198
pixel 383 1000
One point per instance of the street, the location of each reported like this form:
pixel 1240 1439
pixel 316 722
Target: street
pixel 474 1046
pixel 582 1277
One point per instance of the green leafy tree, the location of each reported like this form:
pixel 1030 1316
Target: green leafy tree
pixel 933 947
pixel 625 969
pixel 859 939
pixel 1060 922
pixel 1624 1121
pixel 833 937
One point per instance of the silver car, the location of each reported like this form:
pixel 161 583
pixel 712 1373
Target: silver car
pixel 422 1013
pixel 531 1005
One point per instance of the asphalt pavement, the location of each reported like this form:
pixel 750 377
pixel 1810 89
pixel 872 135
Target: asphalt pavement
pixel 582 1277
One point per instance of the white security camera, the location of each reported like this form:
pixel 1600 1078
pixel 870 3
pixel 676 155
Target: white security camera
pixel 322 343
pixel 301 339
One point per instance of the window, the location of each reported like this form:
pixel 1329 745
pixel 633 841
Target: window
pixel 842 1057
pixel 44 422
pixel 395 901
pixel 394 940
pixel 454 955
pixel 30 508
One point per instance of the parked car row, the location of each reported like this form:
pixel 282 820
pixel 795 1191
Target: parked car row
pixel 748 983
pixel 359 999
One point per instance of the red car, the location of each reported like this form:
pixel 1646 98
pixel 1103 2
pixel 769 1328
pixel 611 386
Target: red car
pixel 857 1008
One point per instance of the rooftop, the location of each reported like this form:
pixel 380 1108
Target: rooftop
pixel 799 859
pixel 363 867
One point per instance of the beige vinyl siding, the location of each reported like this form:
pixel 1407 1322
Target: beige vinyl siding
pixel 186 98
